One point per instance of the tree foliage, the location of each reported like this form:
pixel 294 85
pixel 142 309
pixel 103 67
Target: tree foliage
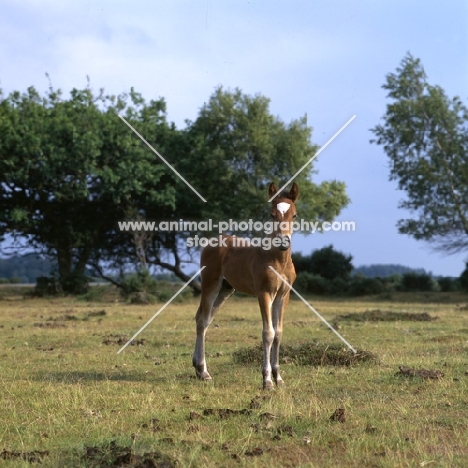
pixel 464 278
pixel 237 147
pixel 425 135
pixel 325 262
pixel 70 170
pixel 230 153
pixel 417 282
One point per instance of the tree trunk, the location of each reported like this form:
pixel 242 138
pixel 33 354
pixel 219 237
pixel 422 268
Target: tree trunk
pixel 65 261
pixel 72 277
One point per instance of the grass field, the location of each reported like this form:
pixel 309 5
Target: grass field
pixel 67 399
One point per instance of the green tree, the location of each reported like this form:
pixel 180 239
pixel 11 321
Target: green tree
pixel 464 278
pixel 330 264
pixel 325 262
pixel 69 171
pixel 425 135
pixel 301 262
pixel 237 147
pixel 417 282
pixel 231 152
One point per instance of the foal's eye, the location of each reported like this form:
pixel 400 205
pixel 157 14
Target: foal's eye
pixel 295 215
pixel 272 215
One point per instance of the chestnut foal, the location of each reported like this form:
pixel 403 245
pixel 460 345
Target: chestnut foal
pixel 246 269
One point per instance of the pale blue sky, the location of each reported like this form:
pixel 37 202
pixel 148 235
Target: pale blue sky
pixel 326 59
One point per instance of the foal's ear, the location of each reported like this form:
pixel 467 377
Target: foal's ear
pixel 272 190
pixel 294 192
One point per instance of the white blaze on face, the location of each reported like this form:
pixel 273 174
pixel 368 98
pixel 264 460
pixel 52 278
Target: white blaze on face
pixel 282 208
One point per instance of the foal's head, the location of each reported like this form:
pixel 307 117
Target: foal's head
pixel 283 211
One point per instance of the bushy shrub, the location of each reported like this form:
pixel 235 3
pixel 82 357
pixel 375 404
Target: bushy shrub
pixel 47 286
pixel 75 284
pixel 463 280
pixel 393 282
pixel 142 288
pixel 330 264
pixel 139 288
pixel 301 281
pixel 448 284
pixel 95 294
pixel 326 262
pixel 359 286
pixel 312 284
pixel 319 285
pixel 414 282
pixel 301 262
pixel 340 286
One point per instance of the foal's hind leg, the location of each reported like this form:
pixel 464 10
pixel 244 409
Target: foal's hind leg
pixel 210 303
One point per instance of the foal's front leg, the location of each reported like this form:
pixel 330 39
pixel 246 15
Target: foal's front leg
pixel 277 310
pixel 268 335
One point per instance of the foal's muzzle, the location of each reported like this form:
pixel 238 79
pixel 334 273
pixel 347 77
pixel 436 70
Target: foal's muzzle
pixel 285 242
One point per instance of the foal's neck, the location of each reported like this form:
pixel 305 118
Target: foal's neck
pixel 279 257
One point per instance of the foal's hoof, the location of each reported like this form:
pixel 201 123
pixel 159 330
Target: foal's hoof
pixel 204 376
pixel 268 385
pixel 201 372
pixel 280 383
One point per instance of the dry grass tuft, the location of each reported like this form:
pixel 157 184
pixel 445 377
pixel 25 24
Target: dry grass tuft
pixel 309 354
pixel 378 315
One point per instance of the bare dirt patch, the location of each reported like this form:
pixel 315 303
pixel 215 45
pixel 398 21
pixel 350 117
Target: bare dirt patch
pixel 70 316
pixel 154 425
pixel 423 373
pixel 49 325
pixel 258 400
pixel 63 318
pixel 255 452
pixel 224 413
pixel 45 348
pixel 115 455
pixel 339 415
pixel 121 340
pixel 34 456
pixel 96 313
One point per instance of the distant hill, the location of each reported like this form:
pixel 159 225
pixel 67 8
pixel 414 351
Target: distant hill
pixel 372 271
pixel 25 268
pixel 28 267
